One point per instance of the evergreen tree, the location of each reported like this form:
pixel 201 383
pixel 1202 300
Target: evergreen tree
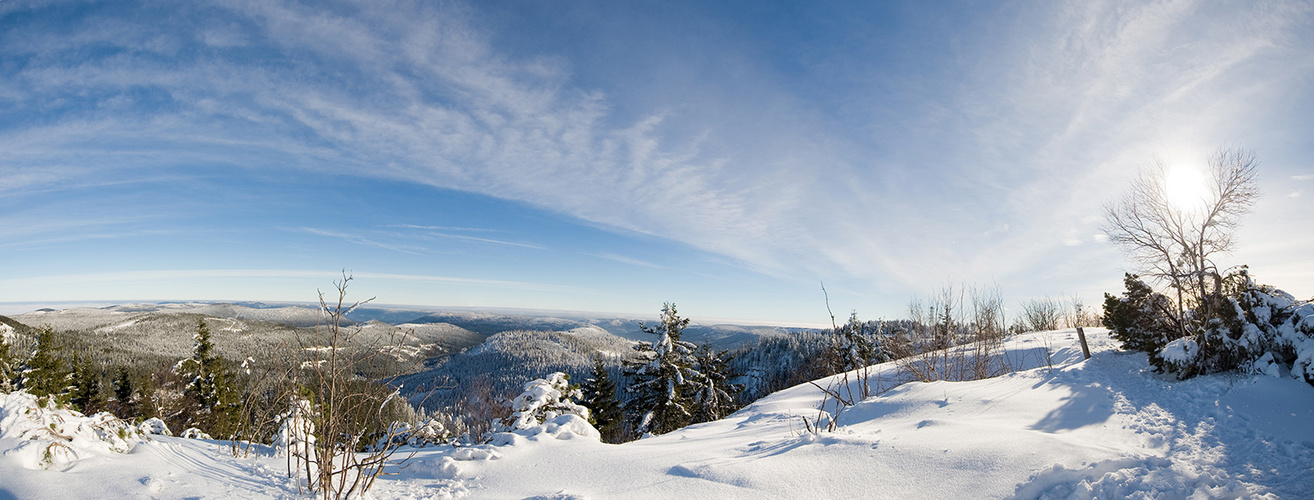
pixel 212 400
pixel 86 396
pixel 125 397
pixel 8 371
pixel 600 397
pixel 45 374
pixel 1142 319
pixel 665 383
pixel 149 403
pixel 714 397
pixel 853 348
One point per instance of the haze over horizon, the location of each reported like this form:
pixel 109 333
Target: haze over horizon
pixel 602 156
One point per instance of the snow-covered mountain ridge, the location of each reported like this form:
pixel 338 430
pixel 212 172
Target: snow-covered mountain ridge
pixel 1058 427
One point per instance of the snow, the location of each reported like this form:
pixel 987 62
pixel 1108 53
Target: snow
pixel 50 438
pixel 1180 351
pixel 1056 427
pixel 116 327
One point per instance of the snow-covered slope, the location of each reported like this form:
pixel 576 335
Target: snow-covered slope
pixel 1059 427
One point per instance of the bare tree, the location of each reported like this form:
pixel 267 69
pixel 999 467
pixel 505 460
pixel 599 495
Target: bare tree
pixel 1041 314
pixel 1176 245
pixel 348 421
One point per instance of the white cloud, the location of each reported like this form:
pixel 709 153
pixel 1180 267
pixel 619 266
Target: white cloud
pixel 360 240
pixel 483 240
pixel 447 228
pixel 627 260
pixel 1071 238
pixel 1042 127
pixel 195 283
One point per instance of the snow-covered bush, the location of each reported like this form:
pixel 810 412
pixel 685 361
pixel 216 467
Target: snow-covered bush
pixel 1259 329
pixel 545 399
pixel 560 427
pixel 296 431
pixel 54 436
pixel 1254 328
pixel 430 433
pixel 155 426
pixel 194 433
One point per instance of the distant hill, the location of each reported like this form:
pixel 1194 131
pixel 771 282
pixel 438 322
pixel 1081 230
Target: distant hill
pixel 448 354
pixel 506 360
pixel 19 328
pixel 152 333
pixel 721 337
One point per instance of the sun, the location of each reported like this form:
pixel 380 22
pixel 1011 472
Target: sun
pixel 1185 186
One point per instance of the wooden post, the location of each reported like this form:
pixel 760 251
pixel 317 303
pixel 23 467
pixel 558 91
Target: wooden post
pixel 1081 334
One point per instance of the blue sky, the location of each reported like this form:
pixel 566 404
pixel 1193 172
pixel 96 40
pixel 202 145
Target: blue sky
pixel 609 156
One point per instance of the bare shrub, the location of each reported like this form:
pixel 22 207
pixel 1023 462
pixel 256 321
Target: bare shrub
pixel 849 350
pixel 1080 316
pixel 349 419
pixel 988 329
pixel 956 335
pixel 482 406
pixel 937 324
pixel 1041 314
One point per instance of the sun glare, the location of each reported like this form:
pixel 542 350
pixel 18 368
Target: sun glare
pixel 1185 186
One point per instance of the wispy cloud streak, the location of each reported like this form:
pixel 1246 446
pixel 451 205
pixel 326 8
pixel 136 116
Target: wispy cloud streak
pixel 976 176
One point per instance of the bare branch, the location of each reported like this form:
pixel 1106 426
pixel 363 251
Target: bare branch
pixel 1176 245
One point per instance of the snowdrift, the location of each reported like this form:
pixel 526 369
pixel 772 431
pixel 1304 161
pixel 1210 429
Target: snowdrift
pixel 1056 427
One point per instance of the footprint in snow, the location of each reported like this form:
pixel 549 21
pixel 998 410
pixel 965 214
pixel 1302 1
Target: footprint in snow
pixel 153 485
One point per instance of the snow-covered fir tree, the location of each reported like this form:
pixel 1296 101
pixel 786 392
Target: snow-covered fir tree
pixel 715 395
pixel 544 399
pixel 44 374
pixel 600 398
pixel 854 347
pixel 210 394
pixel 666 381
